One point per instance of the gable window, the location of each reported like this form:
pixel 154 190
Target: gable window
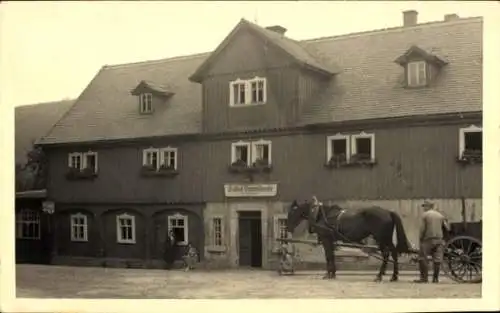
pixel 217 231
pixel 169 158
pixel 28 224
pixel 125 228
pixel 337 148
pixel 417 73
pixel 150 157
pixel 239 92
pixel 257 90
pixel 247 92
pixel 79 228
pixel 240 152
pixel 471 142
pixel 261 151
pixel 146 102
pixel 179 225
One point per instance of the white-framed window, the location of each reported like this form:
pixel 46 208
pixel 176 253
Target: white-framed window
pixel 146 102
pixel 257 90
pixel 248 92
pixel 363 146
pixel 240 151
pixel 217 231
pixel 90 161
pixel 238 93
pixel 151 157
pixel 178 223
pixel 28 224
pixel 125 228
pixel 417 75
pixel 79 227
pixel 280 229
pixel 168 157
pixel 75 160
pixel 81 160
pixel 470 140
pixel 261 150
pixel 338 146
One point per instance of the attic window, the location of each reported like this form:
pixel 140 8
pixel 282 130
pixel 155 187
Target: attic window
pixel 146 103
pixel 247 92
pixel 417 72
pixel 421 66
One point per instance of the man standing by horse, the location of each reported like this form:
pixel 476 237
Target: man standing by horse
pixel 431 242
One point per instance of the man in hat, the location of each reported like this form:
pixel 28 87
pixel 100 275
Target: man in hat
pixel 431 241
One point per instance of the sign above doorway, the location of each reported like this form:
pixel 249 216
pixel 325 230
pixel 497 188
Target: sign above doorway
pixel 250 190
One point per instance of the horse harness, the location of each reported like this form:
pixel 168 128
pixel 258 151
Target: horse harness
pixel 333 228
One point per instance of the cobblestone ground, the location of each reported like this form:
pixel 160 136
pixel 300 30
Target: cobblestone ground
pixel 79 282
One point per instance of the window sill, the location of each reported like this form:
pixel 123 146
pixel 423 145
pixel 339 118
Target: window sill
pixel 350 164
pixel 470 160
pixel 216 249
pixel 123 242
pixel 81 175
pixel 159 173
pixel 80 240
pixel 247 105
pixel 238 169
pixel 18 238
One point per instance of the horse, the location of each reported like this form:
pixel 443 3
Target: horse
pixel 333 223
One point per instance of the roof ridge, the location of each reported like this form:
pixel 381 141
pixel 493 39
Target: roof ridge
pixel 176 58
pixel 391 29
pixel 23 106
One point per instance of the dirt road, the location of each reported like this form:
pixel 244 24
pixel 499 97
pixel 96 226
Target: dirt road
pixel 80 282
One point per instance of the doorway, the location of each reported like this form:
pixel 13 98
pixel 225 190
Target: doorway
pixel 250 238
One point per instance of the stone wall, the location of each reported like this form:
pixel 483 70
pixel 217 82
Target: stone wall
pixel 226 256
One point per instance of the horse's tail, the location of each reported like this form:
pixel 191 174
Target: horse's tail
pixel 403 245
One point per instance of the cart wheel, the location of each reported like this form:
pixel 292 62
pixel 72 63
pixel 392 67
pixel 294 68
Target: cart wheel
pixel 463 259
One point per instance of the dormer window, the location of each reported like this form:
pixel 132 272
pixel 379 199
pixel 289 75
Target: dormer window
pixel 247 92
pixel 146 103
pixel 421 67
pixel 146 91
pixel 417 73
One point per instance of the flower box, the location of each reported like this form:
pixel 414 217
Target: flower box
pixel 83 174
pixel 471 157
pixel 362 160
pixel 163 171
pixel 337 161
pixel 262 166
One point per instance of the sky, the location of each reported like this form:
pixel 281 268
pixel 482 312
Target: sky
pixel 50 51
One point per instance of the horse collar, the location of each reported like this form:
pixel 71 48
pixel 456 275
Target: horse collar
pixel 340 215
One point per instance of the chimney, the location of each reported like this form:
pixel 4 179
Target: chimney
pixel 277 29
pixel 451 17
pixel 410 18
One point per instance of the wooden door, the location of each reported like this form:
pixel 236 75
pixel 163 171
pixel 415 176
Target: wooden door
pixel 245 242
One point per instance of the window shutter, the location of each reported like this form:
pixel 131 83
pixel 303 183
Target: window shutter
pixel 211 232
pixel 231 94
pixel 223 230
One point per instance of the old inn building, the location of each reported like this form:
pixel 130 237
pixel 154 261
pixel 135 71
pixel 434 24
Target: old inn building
pixel 215 146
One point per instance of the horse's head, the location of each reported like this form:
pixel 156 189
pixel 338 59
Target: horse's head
pixel 296 213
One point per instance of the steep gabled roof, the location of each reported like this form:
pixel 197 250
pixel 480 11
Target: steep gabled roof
pixel 292 47
pixel 152 87
pixel 368 84
pixel 107 110
pixel 421 53
pixel 34 121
